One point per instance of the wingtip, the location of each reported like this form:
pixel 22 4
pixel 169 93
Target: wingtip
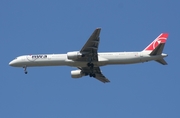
pixel 98 28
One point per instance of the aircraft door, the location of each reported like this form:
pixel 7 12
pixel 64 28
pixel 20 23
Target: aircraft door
pixel 30 58
pixel 140 56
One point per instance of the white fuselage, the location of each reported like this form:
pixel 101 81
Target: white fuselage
pixel 103 59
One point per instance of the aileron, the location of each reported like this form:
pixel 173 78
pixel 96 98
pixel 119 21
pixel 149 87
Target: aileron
pixel 101 78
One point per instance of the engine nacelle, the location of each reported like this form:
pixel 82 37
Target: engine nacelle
pixel 74 55
pixel 77 74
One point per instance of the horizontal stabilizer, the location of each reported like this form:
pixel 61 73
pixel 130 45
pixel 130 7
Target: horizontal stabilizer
pixel 161 61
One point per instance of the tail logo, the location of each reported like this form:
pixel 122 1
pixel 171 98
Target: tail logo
pixel 157 42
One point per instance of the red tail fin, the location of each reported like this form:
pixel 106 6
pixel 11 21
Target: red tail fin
pixel 160 39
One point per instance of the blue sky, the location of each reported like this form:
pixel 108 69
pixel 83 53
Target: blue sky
pixel 41 26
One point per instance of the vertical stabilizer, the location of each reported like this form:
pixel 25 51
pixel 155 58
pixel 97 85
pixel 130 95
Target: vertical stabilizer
pixel 161 39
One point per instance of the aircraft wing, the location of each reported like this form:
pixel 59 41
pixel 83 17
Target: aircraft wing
pixel 89 51
pixel 90 48
pixel 96 70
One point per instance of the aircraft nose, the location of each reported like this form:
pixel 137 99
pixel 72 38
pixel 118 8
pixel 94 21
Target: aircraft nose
pixel 11 63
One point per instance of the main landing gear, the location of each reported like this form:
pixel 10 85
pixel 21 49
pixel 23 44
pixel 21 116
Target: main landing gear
pixel 91 66
pixel 25 69
pixel 92 75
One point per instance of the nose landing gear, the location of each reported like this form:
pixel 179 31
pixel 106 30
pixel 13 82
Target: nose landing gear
pixel 25 69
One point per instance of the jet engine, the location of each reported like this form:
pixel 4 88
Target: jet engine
pixel 74 55
pixel 77 74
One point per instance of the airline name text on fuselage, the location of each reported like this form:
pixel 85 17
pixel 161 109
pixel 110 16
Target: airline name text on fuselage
pixel 39 56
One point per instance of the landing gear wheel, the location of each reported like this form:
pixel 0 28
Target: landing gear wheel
pixel 25 69
pixel 85 74
pixel 83 55
pixel 92 75
pixel 90 65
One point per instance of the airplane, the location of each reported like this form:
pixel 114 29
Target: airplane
pixel 88 60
